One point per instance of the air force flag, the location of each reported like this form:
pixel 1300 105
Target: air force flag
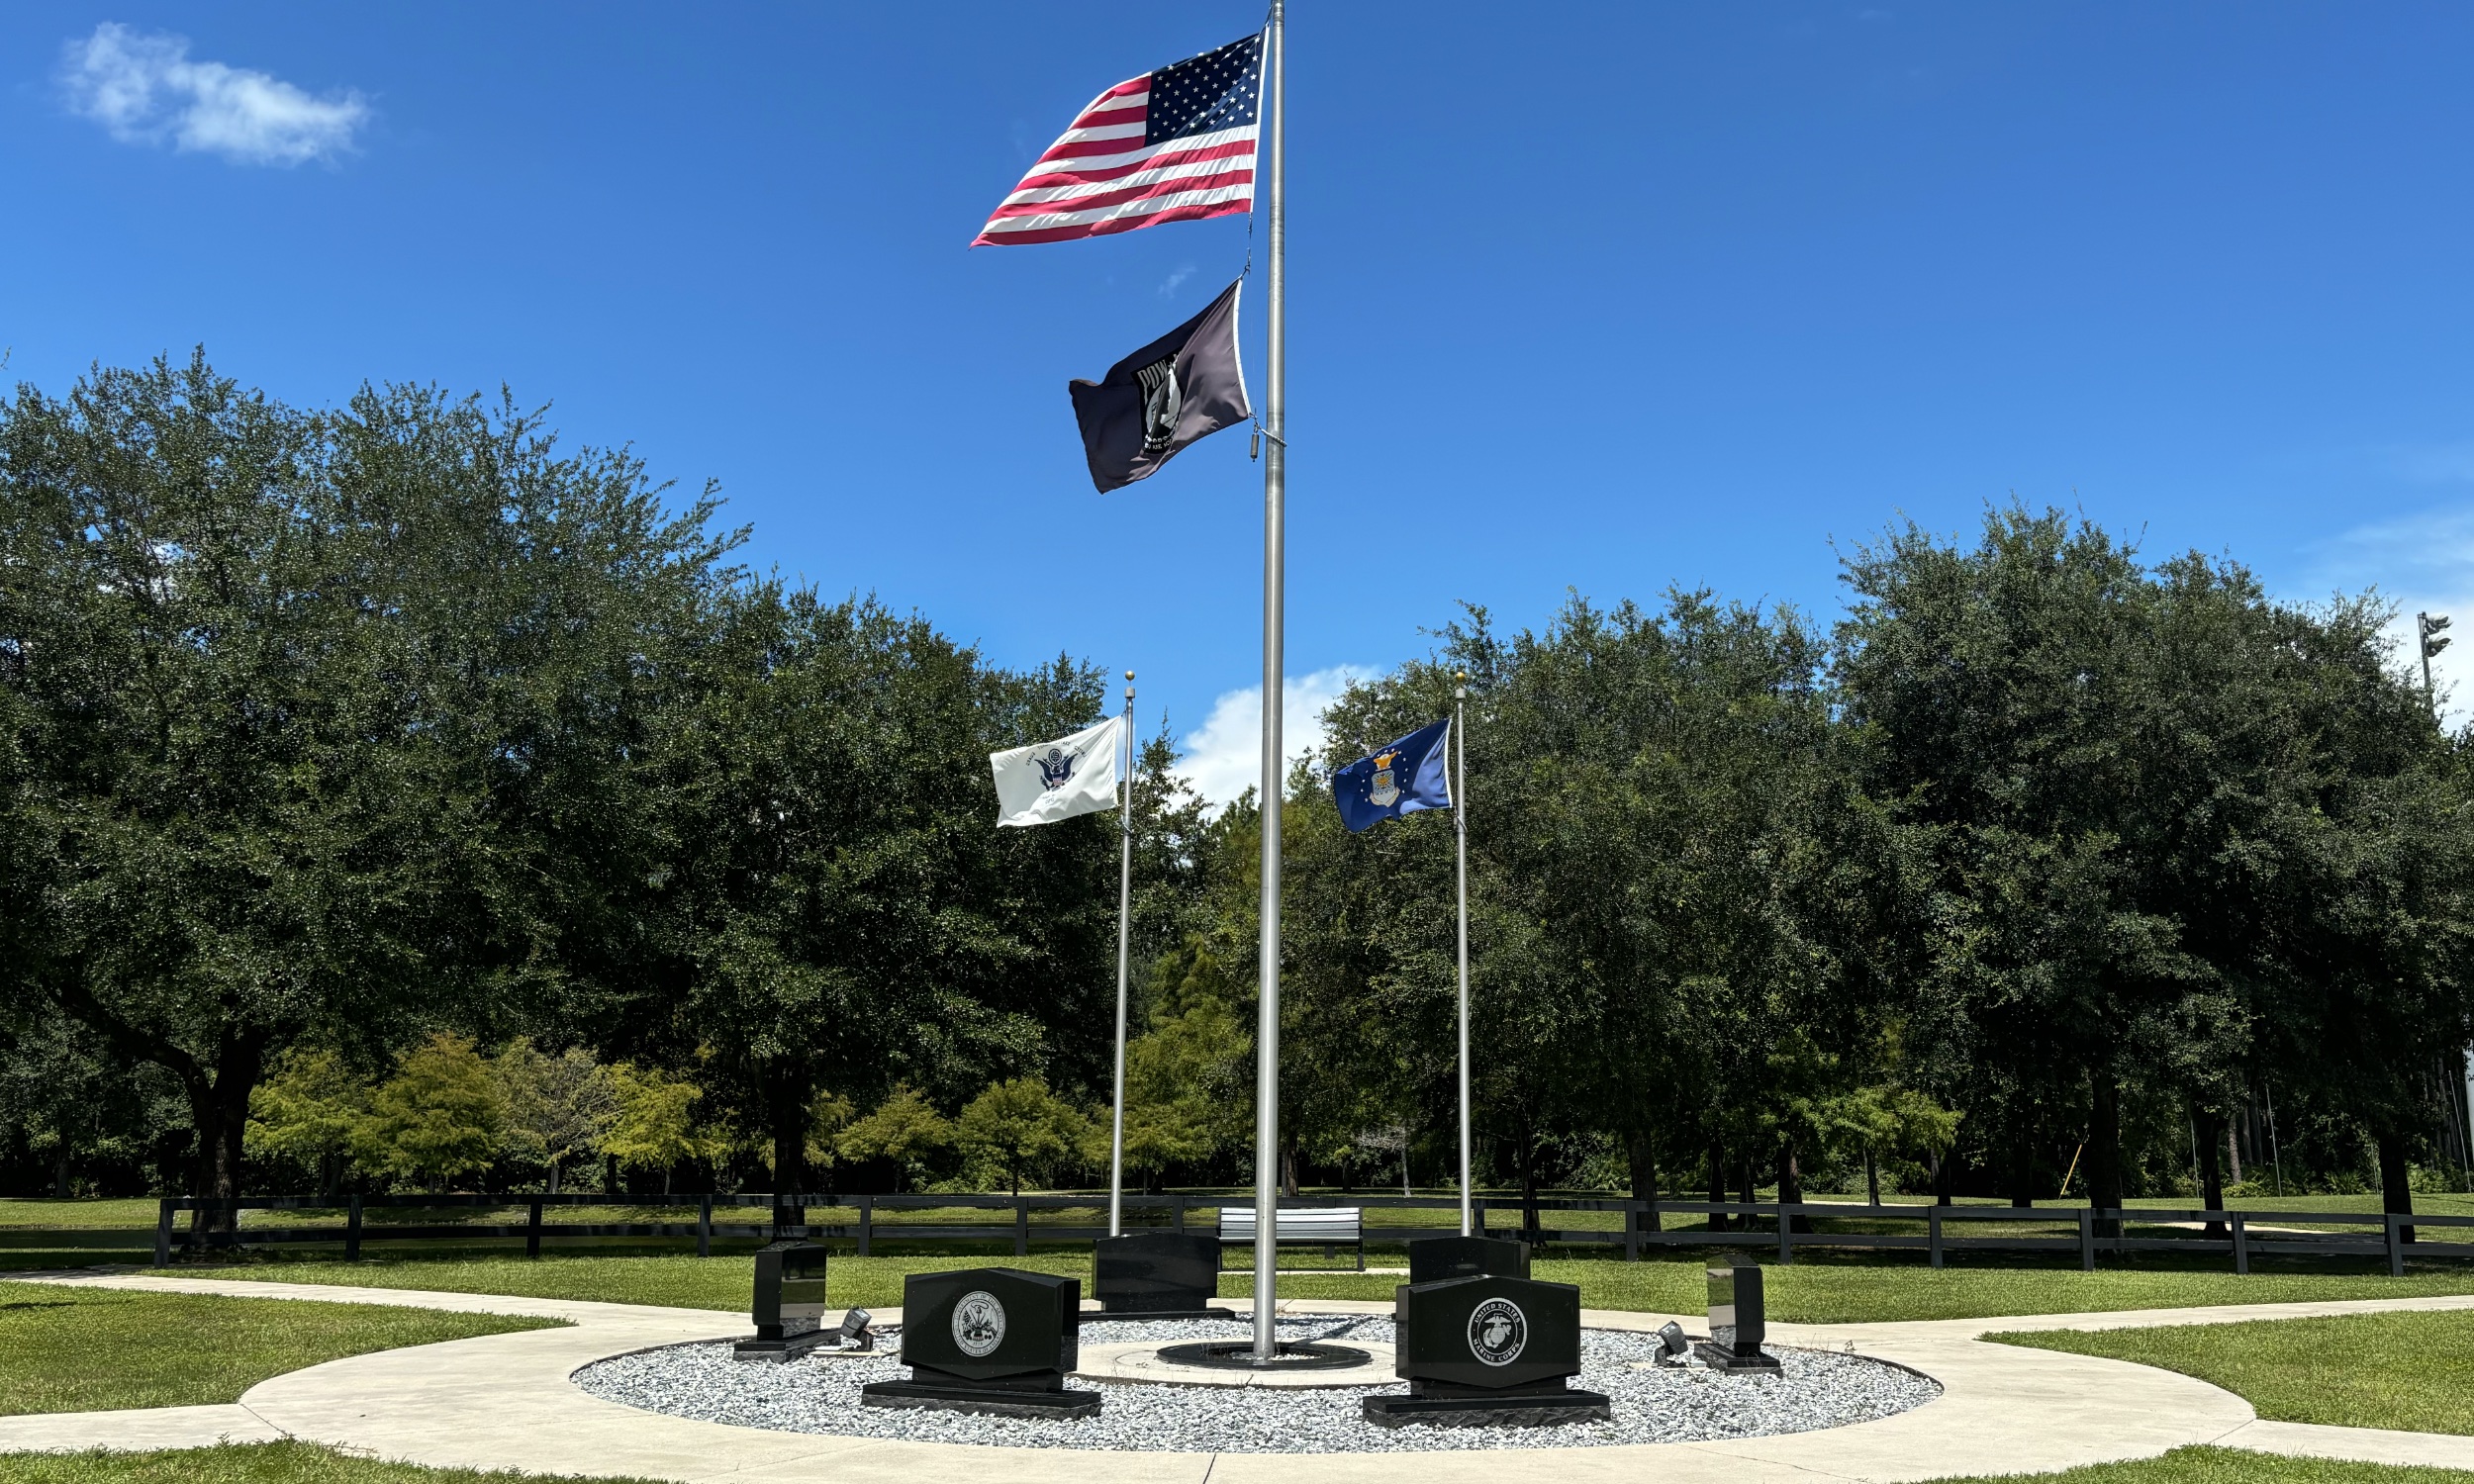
pixel 1408 775
pixel 1050 780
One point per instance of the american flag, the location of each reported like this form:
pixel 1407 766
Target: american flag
pixel 1172 146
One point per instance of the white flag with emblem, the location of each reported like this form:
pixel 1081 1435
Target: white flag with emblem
pixel 1050 780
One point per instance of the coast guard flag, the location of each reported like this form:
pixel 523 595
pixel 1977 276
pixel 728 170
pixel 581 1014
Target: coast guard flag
pixel 1050 780
pixel 1408 775
pixel 1184 385
pixel 1172 146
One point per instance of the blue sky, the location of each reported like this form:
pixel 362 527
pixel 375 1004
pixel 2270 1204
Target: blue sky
pixel 1584 297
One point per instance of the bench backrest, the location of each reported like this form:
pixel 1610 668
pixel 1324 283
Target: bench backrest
pixel 1301 1224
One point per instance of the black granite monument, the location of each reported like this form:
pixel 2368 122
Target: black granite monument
pixel 789 1307
pixel 1738 1321
pixel 1159 1275
pixel 1434 1258
pixel 1488 1351
pixel 989 1339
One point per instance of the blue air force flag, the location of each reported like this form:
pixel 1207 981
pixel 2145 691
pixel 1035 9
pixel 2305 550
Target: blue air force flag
pixel 1050 780
pixel 1408 775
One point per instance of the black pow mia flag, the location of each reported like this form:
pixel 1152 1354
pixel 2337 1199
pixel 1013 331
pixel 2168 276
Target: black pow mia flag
pixel 1186 385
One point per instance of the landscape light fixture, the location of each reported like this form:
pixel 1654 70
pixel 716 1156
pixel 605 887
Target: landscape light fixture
pixel 1673 1347
pixel 855 1335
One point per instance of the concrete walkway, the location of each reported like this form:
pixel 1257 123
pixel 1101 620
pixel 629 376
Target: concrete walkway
pixel 503 1401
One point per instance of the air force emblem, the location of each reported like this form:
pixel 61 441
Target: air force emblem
pixel 1057 769
pixel 1387 791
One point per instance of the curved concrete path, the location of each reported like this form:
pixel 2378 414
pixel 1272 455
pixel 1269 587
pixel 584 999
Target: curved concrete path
pixel 503 1401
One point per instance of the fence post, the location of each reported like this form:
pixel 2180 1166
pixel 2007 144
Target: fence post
pixel 352 1230
pixel 1021 1226
pixel 2242 1243
pixel 704 1228
pixel 2396 1248
pixel 2087 1239
pixel 532 1228
pixel 1786 1235
pixel 867 1217
pixel 163 1233
pixel 1933 1233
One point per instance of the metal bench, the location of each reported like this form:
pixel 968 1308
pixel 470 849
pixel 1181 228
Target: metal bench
pixel 1326 1227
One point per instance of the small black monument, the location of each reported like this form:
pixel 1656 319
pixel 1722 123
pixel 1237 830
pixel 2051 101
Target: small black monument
pixel 1434 1258
pixel 1488 1351
pixel 789 1307
pixel 989 1339
pixel 1165 1274
pixel 1738 1321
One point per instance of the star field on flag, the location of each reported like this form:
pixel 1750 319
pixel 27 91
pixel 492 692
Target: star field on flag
pixel 1176 144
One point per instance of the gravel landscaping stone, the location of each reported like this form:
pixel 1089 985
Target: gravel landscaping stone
pixel 1814 1389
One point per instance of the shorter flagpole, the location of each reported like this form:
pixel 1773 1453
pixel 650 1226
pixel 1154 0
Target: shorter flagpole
pixel 1124 940
pixel 1460 828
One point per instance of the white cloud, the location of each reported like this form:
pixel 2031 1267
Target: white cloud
pixel 143 89
pixel 1173 283
pixel 1223 757
pixel 2424 564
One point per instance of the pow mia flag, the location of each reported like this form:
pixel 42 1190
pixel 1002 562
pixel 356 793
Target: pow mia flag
pixel 1184 385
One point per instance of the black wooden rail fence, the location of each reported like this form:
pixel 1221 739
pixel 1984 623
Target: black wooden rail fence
pixel 1935 1231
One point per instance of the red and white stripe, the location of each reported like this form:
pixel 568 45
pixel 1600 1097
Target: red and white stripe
pixel 1099 177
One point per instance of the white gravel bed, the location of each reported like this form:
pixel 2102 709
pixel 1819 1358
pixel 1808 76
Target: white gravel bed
pixel 1679 1404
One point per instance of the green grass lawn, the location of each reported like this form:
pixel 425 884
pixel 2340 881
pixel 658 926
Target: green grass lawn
pixel 73 1350
pixel 306 1463
pixel 1809 1292
pixel 236 1463
pixel 2413 1372
pixel 2233 1467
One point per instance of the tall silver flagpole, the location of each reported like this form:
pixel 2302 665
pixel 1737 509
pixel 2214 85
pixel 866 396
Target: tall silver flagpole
pixel 1460 827
pixel 1124 938
pixel 1275 476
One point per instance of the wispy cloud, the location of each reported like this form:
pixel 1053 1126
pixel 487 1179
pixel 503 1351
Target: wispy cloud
pixel 2433 463
pixel 1177 279
pixel 1223 757
pixel 143 89
pixel 2424 564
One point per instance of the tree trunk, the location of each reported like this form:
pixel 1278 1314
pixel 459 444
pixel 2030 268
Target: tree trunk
pixel 2023 1165
pixel 790 1150
pixel 1750 1192
pixel 610 1175
pixel 1792 1188
pixel 553 1178
pixel 59 1170
pixel 2211 1177
pixel 2233 1150
pixel 1872 1178
pixel 2104 1148
pixel 1288 1167
pixel 1641 1156
pixel 220 1109
pixel 2396 1181
pixel 1717 1183
pixel 1526 1155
